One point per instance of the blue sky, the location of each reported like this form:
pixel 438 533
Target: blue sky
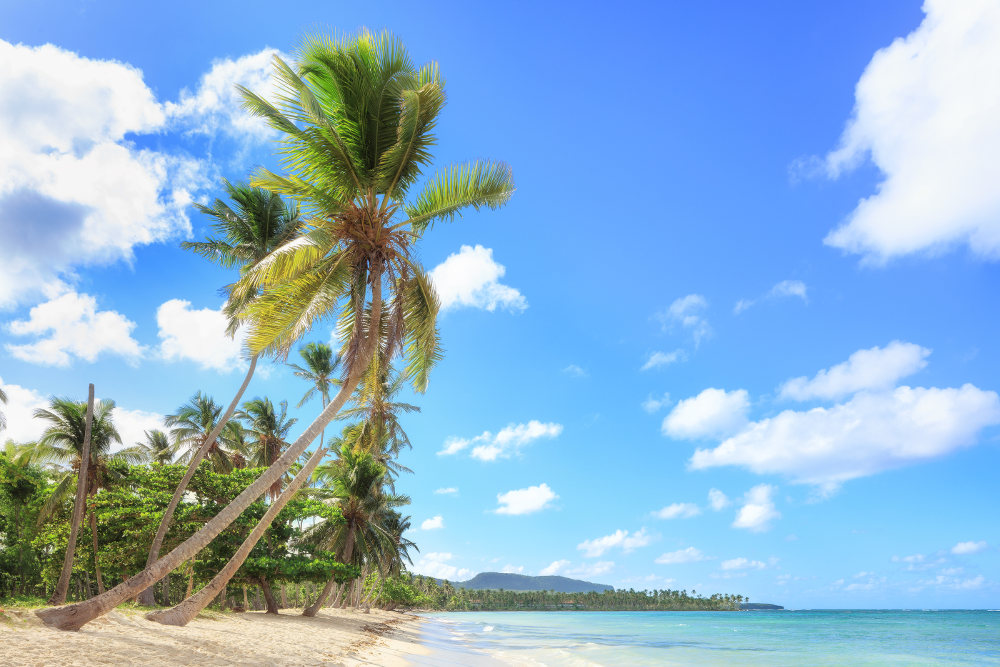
pixel 734 333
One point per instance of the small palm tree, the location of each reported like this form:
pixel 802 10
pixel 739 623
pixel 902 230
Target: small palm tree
pixel 157 447
pixel 192 425
pixel 267 429
pixel 320 370
pixel 62 444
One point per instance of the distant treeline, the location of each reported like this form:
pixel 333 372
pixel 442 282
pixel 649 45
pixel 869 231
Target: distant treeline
pixel 445 597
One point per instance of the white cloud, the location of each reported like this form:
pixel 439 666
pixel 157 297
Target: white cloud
pixel 758 509
pixel 652 404
pixel 688 313
pixel 23 427
pixel 445 491
pixel 505 443
pixel 436 564
pixel 471 278
pixel 915 558
pixel 575 371
pixel 70 326
pixel 591 569
pixel 866 435
pixel 74 191
pixel 717 500
pixel 689 555
pixel 197 335
pixel 875 368
pixel 927 113
pixel 512 569
pixel 785 288
pixel 133 424
pixel 216 107
pixel 19 411
pixel 658 359
pixel 963 548
pixel 619 539
pixel 678 511
pixel 434 523
pixel 712 413
pixel 525 501
pixel 742 564
pixel 553 568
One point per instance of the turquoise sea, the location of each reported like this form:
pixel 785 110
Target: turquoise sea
pixel 773 638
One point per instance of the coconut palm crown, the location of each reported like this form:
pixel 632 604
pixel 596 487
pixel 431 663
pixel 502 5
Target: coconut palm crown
pixel 356 119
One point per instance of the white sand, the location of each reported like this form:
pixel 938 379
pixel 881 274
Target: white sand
pixel 125 637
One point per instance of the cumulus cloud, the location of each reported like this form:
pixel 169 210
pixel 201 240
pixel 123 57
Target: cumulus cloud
pixel 471 278
pixel 963 548
pixel 717 500
pixel 197 335
pixel 689 555
pixel 786 288
pixel 869 433
pixel 70 326
pixel 620 539
pixel 23 427
pixel 525 501
pixel 445 491
pixel 437 564
pixel 658 359
pixel 216 107
pixel 553 568
pixel 712 413
pixel 512 569
pixel 575 371
pixel 653 404
pixel 434 523
pixel 927 114
pixel 505 443
pixel 678 511
pixel 875 368
pixel 591 569
pixel 742 564
pixel 758 509
pixel 688 312
pixel 74 191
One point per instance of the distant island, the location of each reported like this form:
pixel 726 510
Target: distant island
pixel 502 591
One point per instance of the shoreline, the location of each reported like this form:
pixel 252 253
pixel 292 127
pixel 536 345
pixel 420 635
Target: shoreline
pixel 334 637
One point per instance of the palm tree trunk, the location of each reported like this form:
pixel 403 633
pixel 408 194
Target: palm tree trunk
pixel 146 597
pixel 189 608
pixel 75 616
pixel 97 567
pixel 314 608
pixel 59 595
pixel 272 605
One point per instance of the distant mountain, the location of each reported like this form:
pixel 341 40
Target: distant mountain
pixel 521 582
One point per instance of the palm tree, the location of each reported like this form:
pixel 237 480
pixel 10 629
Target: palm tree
pixel 267 429
pixel 356 480
pixel 256 223
pixel 157 447
pixel 192 426
pixel 62 443
pixel 357 120
pixel 320 370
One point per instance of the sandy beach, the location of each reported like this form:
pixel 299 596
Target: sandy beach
pixel 125 637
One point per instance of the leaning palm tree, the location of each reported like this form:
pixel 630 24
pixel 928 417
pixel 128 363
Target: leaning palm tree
pixel 62 444
pixel 356 119
pixel 256 223
pixel 267 429
pixel 320 371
